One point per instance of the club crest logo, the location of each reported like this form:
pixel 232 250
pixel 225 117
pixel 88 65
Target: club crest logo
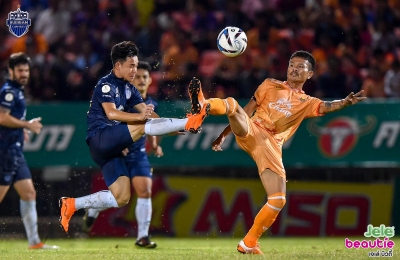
pixel 18 22
pixel 128 92
pixel 339 136
pixel 303 99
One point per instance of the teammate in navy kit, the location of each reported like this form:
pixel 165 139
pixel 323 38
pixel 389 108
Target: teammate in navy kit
pixel 139 168
pixel 13 132
pixel 111 130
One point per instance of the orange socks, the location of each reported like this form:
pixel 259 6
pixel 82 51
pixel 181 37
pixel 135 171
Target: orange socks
pixel 220 106
pixel 265 218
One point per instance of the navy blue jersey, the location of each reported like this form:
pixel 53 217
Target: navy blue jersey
pixel 138 149
pixel 12 98
pixel 113 90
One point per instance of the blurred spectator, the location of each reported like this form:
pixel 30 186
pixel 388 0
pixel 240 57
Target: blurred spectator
pixel 143 9
pixel 373 85
pixel 227 75
pixel 175 62
pixel 251 7
pixel 280 58
pixel 33 44
pixel 205 26
pixel 332 84
pixel 261 31
pixel 392 80
pixel 60 68
pixel 234 16
pixel 148 41
pixel 53 23
pixel 352 73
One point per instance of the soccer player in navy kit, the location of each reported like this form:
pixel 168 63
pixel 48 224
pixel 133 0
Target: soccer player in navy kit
pixel 139 168
pixel 13 132
pixel 111 130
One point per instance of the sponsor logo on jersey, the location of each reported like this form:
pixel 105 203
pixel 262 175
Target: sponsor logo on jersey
pixel 283 105
pixel 128 92
pixel 302 99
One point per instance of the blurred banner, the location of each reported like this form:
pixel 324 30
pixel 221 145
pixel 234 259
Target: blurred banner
pixel 366 135
pixel 209 207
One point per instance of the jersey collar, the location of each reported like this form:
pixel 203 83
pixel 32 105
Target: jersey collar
pixel 115 77
pixel 293 89
pixel 14 84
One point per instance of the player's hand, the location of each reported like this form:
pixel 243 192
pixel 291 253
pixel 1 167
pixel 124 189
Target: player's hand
pixel 34 125
pixel 26 135
pixel 158 151
pixel 353 99
pixel 146 113
pixel 125 152
pixel 217 143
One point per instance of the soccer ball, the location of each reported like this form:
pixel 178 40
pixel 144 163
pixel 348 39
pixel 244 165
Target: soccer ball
pixel 232 41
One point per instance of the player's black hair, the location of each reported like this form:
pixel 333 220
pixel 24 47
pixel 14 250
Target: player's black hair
pixel 17 59
pixel 123 50
pixel 144 66
pixel 305 55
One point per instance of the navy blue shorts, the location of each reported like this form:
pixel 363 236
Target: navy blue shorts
pixel 106 150
pixel 139 167
pixel 13 167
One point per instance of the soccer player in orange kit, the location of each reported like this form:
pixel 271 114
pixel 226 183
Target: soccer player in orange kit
pixel 270 118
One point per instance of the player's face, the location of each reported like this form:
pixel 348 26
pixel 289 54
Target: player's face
pixel 299 70
pixel 128 69
pixel 142 80
pixel 20 74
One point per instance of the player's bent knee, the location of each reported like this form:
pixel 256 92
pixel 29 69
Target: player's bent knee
pixel 232 106
pixel 276 202
pixel 29 195
pixel 144 194
pixel 122 200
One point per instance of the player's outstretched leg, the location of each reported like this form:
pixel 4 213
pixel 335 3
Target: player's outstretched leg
pixel 100 200
pixel 218 106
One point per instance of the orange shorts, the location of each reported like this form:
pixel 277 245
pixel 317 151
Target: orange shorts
pixel 262 146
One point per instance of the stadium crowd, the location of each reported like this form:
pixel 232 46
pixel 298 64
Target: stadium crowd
pixel 356 44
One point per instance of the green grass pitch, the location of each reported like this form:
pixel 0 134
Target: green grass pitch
pixel 188 248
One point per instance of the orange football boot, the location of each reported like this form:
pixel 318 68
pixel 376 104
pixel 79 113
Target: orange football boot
pixel 242 248
pixel 194 122
pixel 42 245
pixel 196 96
pixel 67 206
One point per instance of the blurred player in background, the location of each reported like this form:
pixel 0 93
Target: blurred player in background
pixel 14 130
pixel 269 119
pixel 139 168
pixel 111 130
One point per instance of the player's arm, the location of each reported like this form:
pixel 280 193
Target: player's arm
pixel 155 145
pixel 113 113
pixel 142 107
pixel 332 106
pixel 9 121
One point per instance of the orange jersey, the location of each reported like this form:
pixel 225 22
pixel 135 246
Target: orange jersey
pixel 281 109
